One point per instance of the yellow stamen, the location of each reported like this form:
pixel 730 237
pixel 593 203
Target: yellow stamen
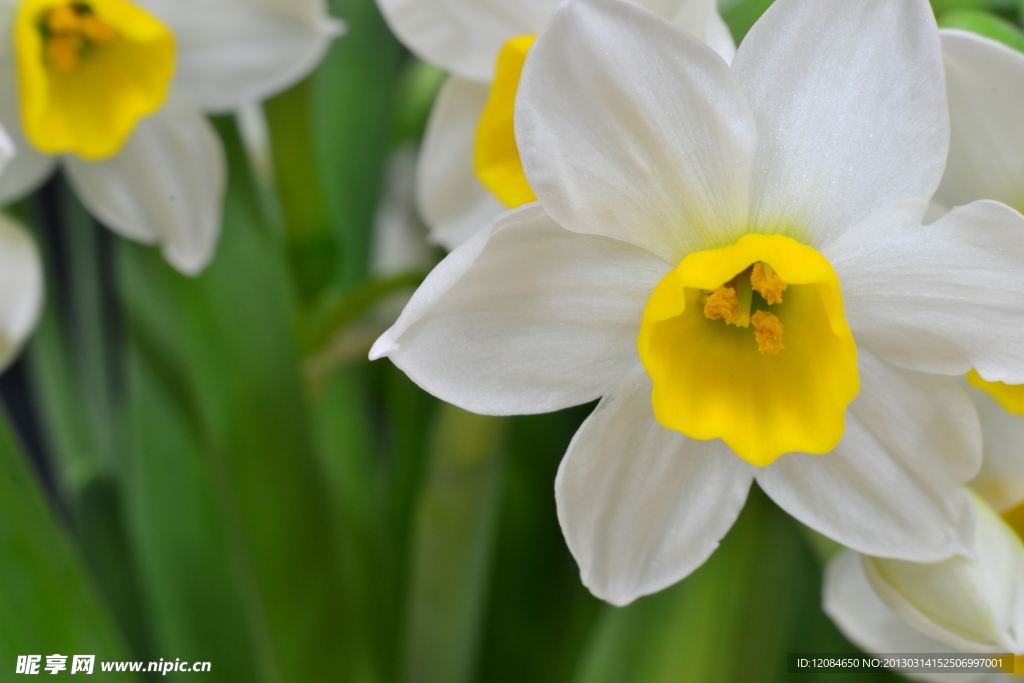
pixel 70 31
pixel 767 283
pixel 97 30
pixel 63 51
pixel 723 303
pixel 768 332
pixel 63 19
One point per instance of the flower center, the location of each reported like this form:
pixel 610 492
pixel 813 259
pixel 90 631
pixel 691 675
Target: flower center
pixel 749 344
pixel 69 31
pixel 88 72
pixel 731 302
pixel 496 154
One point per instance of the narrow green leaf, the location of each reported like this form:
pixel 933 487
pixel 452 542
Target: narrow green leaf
pixel 986 24
pixel 312 244
pixel 452 548
pixel 418 87
pixel 741 15
pixel 1003 7
pixel 539 614
pixel 353 100
pixel 227 496
pixel 75 371
pixel 48 604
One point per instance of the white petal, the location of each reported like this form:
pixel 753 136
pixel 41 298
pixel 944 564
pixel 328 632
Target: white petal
pixel 28 169
pixel 232 52
pixel 21 288
pixel 525 317
pixel 942 298
pixel 166 186
pixel 860 614
pixel 7 150
pixel 1001 479
pixel 463 36
pixel 651 142
pixel 969 606
pixel 642 506
pixel 892 487
pixel 719 38
pixel 852 603
pixel 851 111
pixel 985 80
pixel 690 15
pixel 453 202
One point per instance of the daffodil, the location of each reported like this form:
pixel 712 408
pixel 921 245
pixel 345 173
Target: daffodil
pixel 959 605
pixel 985 80
pixel 21 288
pixel 114 92
pixel 953 607
pixel 469 170
pixel 733 260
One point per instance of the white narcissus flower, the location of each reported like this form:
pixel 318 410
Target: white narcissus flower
pixel 469 170
pixel 985 80
pixel 21 288
pixel 956 606
pixel 734 260
pixel 115 90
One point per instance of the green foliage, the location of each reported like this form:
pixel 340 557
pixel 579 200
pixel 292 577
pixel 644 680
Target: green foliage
pixel 986 24
pixel 48 604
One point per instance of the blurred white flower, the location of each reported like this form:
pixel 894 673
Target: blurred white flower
pixel 985 81
pixel 482 44
pixel 21 288
pixel 955 606
pixel 669 188
pixel 115 90
pixel 958 605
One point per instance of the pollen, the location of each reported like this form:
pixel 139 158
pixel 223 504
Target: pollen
pixel 723 303
pixel 69 31
pixel 767 283
pixel 768 332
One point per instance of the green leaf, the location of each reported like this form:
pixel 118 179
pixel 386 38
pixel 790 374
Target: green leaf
pixel 226 494
pixel 353 101
pixel 539 614
pixel 1003 7
pixel 456 519
pixel 48 604
pixel 741 15
pixel 986 24
pixel 418 87
pixel 312 244
pixel 75 371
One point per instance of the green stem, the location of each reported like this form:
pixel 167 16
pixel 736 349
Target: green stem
pixel 337 314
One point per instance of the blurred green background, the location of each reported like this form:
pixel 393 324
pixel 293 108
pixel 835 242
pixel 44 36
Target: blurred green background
pixel 209 469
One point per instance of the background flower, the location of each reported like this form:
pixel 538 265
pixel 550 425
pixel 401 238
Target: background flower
pixel 164 184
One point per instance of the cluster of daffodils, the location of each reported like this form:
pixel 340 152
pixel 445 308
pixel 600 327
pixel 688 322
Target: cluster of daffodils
pixel 115 93
pixel 761 265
